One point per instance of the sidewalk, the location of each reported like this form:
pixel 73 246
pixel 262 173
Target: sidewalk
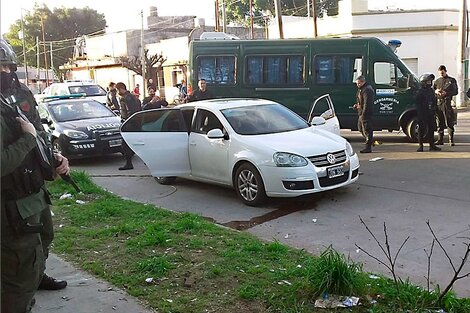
pixel 84 293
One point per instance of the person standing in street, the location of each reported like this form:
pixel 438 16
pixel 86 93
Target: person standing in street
pixel 445 88
pixel 26 222
pixel 111 97
pixel 129 104
pixel 426 106
pixel 201 93
pixel 152 101
pixel 136 91
pixel 365 109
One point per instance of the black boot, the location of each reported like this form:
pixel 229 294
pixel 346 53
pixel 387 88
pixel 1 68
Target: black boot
pixel 420 148
pixel 127 166
pixel 433 147
pixel 367 149
pixel 440 139
pixel 49 283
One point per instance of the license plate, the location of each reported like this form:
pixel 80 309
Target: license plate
pixel 335 171
pixel 115 143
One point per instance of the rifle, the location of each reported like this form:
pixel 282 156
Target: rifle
pixel 47 160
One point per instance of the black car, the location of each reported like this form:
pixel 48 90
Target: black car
pixel 81 127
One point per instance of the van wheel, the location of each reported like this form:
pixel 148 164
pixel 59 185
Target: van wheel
pixel 249 185
pixel 165 180
pixel 411 130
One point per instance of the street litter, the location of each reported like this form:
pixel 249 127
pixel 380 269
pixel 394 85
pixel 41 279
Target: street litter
pixel 60 226
pixel 314 220
pixel 376 159
pixel 80 202
pixel 169 300
pixel 299 266
pixel 333 301
pixel 66 196
pixel 286 236
pixel 284 282
pixel 374 277
pixel 52 214
pixel 149 280
pixel 358 250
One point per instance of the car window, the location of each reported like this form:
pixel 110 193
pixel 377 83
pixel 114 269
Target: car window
pixel 43 112
pixel 386 73
pixel 263 119
pixel 163 120
pixel 79 110
pixel 206 121
pixel 188 117
pixel 89 90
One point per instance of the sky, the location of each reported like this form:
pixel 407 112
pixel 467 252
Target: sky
pixel 120 16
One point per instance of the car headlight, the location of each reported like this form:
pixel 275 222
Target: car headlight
pixel 284 159
pixel 75 134
pixel 349 149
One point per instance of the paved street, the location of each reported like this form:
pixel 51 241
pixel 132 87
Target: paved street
pixel 404 190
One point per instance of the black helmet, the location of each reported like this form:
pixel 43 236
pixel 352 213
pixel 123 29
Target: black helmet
pixel 425 78
pixel 7 55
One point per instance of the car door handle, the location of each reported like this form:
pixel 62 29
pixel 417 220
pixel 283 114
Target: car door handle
pixel 138 143
pixel 192 143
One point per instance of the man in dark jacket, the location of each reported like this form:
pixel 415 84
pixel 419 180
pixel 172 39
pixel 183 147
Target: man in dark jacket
pixel 365 109
pixel 445 88
pixel 129 105
pixel 111 97
pixel 426 106
pixel 201 93
pixel 152 101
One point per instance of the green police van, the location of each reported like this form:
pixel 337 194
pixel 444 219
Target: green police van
pixel 295 72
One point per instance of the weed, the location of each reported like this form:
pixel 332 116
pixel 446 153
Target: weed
pixel 157 265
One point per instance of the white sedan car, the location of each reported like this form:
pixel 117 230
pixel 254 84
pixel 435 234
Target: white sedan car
pixel 259 147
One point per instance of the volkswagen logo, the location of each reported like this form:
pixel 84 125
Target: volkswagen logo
pixel 331 158
pixel 108 133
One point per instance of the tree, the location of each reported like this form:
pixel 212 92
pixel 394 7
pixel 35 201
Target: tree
pixel 134 63
pixel 238 11
pixel 61 27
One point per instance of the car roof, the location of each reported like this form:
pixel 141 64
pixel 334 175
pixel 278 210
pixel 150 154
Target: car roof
pixel 227 103
pixel 68 100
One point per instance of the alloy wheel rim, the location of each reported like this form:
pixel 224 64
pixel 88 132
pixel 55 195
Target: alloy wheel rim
pixel 247 185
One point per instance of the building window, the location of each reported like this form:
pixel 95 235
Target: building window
pixel 217 70
pixel 275 70
pixel 337 69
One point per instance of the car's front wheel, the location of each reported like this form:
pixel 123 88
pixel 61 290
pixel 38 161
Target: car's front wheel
pixel 165 180
pixel 249 185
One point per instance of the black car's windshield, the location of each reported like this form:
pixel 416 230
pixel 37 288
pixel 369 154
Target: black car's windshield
pixel 263 119
pixel 89 90
pixel 79 110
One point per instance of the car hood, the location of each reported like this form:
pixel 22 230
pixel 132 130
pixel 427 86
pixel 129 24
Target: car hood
pixel 101 99
pixel 89 125
pixel 305 142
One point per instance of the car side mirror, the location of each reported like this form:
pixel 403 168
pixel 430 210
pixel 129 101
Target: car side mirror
pixel 318 120
pixel 215 134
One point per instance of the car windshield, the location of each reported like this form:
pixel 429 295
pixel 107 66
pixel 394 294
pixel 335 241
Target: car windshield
pixel 89 90
pixel 263 119
pixel 79 110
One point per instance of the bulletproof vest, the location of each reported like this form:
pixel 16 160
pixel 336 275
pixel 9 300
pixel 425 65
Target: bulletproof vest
pixel 27 178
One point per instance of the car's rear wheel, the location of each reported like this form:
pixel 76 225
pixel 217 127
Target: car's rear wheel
pixel 165 180
pixel 249 185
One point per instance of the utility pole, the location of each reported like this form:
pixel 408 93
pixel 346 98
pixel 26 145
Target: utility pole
pixel 217 22
pixel 224 17
pixel 144 87
pixel 24 50
pixel 45 52
pixel 461 54
pixel 277 7
pixel 314 11
pixel 38 73
pixel 52 63
pixel 251 20
pixel 308 8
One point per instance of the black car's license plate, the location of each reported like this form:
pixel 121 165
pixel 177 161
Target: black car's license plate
pixel 115 143
pixel 335 171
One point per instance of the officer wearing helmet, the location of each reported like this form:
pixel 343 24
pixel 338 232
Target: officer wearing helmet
pixel 26 224
pixel 426 106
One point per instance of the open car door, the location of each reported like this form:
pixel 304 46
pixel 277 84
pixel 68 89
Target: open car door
pixel 160 138
pixel 323 107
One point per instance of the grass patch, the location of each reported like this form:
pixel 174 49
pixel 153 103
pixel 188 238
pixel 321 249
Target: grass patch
pixel 200 266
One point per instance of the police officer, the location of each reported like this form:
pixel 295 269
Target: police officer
pixel 365 109
pixel 445 88
pixel 426 106
pixel 26 224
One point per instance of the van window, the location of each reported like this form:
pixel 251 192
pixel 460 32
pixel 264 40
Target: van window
pixel 337 69
pixel 386 73
pixel 275 70
pixel 217 70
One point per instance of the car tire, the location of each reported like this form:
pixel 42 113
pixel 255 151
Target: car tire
pixel 412 129
pixel 249 185
pixel 165 180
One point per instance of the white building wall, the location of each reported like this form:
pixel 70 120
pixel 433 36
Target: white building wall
pixel 108 45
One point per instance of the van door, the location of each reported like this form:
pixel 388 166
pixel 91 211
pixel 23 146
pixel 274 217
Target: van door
pixel 323 107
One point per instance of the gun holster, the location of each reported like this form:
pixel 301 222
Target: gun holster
pixel 19 225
